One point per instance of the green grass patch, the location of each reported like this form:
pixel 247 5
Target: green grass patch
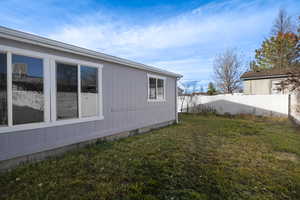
pixel 203 157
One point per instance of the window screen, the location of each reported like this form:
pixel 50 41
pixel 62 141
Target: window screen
pixel 160 89
pixel 89 91
pixel 152 88
pixel 67 91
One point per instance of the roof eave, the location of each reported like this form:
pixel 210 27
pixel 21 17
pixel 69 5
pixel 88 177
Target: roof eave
pixel 48 43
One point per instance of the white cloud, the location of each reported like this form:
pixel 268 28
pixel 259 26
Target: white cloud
pixel 185 43
pixel 187 66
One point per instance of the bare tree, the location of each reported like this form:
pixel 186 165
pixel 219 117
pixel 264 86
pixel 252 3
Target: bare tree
pixel 183 95
pixel 201 89
pixel 191 102
pixel 228 67
pixel 182 99
pixel 189 91
pixel 282 24
pixel 193 86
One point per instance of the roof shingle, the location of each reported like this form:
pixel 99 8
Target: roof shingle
pixel 265 73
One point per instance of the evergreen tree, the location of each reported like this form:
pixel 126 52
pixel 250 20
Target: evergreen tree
pixel 281 51
pixel 292 83
pixel 253 66
pixel 211 90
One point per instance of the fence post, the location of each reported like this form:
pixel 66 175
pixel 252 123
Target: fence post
pixel 289 106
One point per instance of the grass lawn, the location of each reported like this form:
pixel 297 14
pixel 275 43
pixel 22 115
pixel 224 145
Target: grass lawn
pixel 203 157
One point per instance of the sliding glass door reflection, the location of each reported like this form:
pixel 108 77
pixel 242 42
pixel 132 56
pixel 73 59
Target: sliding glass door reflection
pixel 27 89
pixel 89 91
pixel 67 91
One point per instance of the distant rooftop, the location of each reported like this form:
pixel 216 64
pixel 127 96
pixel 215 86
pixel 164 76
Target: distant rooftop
pixel 267 73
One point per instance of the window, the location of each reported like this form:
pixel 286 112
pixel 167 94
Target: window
pixel 156 88
pixel 160 89
pixel 152 88
pixel 3 89
pixel 66 91
pixel 39 90
pixel 89 91
pixel 70 91
pixel 275 87
pixel 27 89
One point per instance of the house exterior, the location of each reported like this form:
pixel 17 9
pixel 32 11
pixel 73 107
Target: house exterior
pixel 263 82
pixel 54 95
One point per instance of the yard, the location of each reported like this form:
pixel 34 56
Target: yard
pixel 204 157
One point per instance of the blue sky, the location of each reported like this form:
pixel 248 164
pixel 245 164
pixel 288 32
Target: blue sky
pixel 180 36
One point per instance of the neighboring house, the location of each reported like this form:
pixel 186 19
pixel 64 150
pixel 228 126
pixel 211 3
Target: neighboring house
pixel 263 82
pixel 19 69
pixel 55 95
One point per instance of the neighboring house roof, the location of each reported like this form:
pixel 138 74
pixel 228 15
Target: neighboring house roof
pixel 53 44
pixel 265 74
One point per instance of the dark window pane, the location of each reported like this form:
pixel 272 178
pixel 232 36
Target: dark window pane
pixel 67 91
pixel 160 89
pixel 27 89
pixel 152 88
pixel 3 89
pixel 89 91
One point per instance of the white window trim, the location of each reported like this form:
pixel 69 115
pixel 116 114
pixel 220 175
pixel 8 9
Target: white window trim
pixel 9 88
pixel 274 87
pixel 79 90
pixel 49 69
pixel 148 87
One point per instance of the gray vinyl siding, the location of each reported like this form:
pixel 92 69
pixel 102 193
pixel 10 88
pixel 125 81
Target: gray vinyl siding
pixel 125 107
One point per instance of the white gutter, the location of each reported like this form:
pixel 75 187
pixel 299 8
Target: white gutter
pixel 53 44
pixel 265 77
pixel 176 100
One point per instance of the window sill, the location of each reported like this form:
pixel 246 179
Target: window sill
pixel 31 126
pixel 156 100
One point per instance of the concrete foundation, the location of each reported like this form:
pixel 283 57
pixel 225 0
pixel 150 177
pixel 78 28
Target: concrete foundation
pixel 12 163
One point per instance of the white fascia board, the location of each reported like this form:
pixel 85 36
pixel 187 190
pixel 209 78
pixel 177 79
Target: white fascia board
pixel 49 43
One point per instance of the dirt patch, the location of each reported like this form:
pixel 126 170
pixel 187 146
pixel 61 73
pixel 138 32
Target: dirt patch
pixel 287 156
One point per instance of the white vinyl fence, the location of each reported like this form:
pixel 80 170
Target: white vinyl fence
pixel 294 108
pixel 266 105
